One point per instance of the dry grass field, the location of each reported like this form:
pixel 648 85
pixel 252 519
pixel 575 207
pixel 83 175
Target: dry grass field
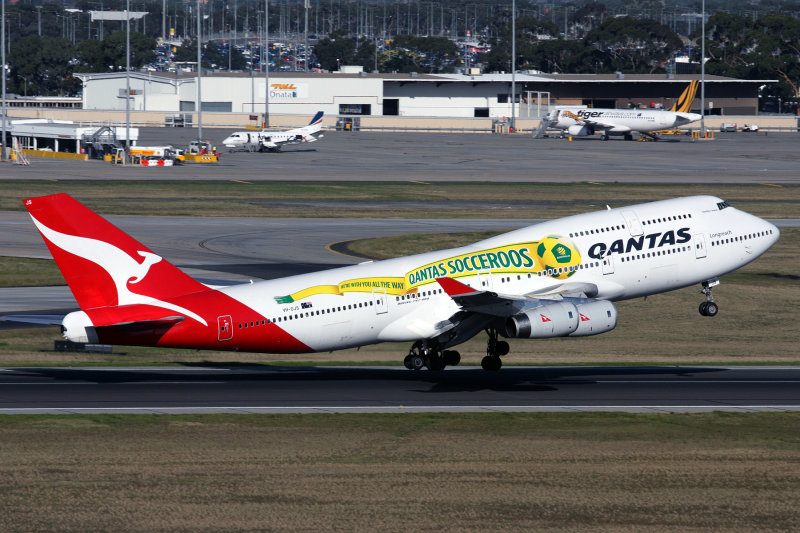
pixel 384 199
pixel 421 472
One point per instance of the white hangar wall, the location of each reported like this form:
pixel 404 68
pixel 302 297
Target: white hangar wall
pixel 450 99
pixel 148 92
pixel 409 95
pixel 288 94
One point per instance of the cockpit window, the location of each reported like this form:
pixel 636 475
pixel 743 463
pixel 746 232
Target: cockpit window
pixel 722 205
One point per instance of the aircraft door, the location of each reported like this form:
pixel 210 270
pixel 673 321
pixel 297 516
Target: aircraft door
pixel 484 281
pixel 224 328
pixel 699 245
pixel 632 221
pixel 380 301
pixel 608 264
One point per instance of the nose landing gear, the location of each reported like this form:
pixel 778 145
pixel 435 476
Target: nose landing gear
pixel 709 308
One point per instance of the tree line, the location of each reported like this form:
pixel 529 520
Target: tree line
pixel 595 39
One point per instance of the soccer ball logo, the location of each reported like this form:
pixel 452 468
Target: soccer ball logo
pixel 558 255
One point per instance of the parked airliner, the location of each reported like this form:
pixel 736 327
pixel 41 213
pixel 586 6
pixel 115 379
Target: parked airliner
pixel 624 122
pixel 553 279
pixel 273 141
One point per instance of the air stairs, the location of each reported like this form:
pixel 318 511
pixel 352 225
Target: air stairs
pixel 101 142
pixel 541 131
pixel 19 155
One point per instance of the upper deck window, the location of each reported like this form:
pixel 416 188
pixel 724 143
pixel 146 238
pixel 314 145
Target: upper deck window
pixel 722 205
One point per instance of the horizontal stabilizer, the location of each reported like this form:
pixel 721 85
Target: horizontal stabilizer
pixel 145 325
pixel 46 320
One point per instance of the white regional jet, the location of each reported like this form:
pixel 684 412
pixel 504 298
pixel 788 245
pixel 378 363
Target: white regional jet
pixel 552 279
pixel 272 141
pixel 586 121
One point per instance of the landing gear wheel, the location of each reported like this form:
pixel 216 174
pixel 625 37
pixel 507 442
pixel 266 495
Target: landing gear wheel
pixel 501 348
pixel 451 357
pixel 491 363
pixel 494 347
pixel 628 137
pixel 604 137
pixel 435 362
pixel 709 308
pixel 415 359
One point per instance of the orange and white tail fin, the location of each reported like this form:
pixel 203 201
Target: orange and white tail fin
pixel 103 265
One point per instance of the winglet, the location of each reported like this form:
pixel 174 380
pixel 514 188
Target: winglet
pixel 453 287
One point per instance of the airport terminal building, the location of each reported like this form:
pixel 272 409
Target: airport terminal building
pixel 410 95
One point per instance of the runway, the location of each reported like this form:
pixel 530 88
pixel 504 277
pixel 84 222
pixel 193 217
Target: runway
pixel 396 390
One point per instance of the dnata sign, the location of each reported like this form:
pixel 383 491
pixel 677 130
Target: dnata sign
pixel 284 92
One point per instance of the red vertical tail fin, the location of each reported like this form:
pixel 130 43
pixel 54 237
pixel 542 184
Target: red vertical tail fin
pixel 103 265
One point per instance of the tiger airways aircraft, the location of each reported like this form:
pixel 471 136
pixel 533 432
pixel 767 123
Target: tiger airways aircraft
pixel 273 141
pixel 624 122
pixel 553 279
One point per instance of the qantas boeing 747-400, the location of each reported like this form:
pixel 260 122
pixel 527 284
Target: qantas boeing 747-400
pixel 553 279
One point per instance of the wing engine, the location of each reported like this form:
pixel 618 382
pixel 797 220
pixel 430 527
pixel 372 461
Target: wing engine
pixel 562 319
pixel 580 129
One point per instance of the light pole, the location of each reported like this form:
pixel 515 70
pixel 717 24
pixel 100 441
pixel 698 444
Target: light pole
pixel 3 88
pixel 703 72
pixel 199 78
pixel 513 63
pixel 127 74
pixel 266 64
pixel 305 37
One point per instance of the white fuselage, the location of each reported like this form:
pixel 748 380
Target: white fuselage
pixel 271 139
pixel 624 253
pixel 585 121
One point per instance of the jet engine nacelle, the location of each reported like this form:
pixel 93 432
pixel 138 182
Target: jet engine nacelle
pixel 594 318
pixel 578 129
pixel 552 320
pixel 77 327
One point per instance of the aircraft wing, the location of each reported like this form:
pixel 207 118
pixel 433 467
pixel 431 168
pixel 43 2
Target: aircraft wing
pixel 501 305
pixel 603 125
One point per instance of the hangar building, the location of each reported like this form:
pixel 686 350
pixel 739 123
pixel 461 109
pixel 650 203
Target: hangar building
pixel 413 95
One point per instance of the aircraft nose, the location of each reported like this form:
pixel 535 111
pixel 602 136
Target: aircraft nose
pixel 775 232
pixel 686 118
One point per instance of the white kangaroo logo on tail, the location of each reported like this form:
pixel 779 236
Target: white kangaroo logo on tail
pixel 122 268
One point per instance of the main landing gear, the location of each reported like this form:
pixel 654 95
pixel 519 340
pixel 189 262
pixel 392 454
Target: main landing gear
pixel 709 308
pixel 427 355
pixel 494 350
pixel 423 355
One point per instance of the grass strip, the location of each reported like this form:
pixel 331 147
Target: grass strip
pixel 452 472
pixel 384 199
pixel 26 272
